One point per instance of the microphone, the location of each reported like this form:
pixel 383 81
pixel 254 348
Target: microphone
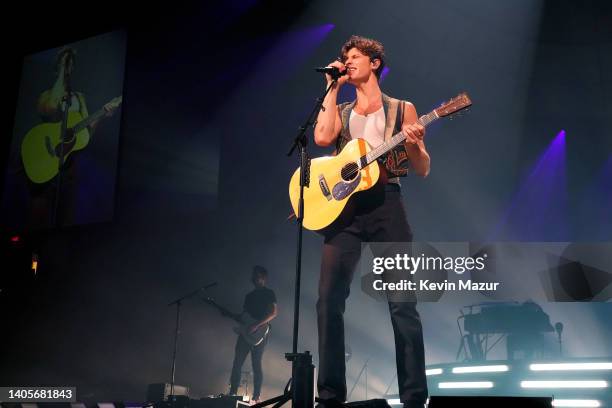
pixel 334 72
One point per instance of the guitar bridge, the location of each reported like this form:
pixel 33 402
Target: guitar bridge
pixel 324 187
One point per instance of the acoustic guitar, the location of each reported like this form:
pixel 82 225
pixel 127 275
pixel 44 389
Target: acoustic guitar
pixel 41 146
pixel 333 180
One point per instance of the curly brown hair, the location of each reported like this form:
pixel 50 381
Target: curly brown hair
pixel 367 46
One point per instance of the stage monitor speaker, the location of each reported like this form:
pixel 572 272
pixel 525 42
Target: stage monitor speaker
pixel 160 392
pixel 489 402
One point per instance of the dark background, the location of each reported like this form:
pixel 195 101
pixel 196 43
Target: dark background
pixel 228 84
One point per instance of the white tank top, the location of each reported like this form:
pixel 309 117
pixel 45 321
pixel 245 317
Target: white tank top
pixel 370 127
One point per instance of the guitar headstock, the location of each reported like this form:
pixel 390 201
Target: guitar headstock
pixel 459 102
pixel 224 311
pixel 115 102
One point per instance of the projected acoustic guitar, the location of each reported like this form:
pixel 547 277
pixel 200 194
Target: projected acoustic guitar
pixel 40 149
pixel 245 321
pixel 334 179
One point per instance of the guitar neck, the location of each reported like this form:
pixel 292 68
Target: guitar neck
pixel 226 312
pixel 88 120
pixel 95 116
pixel 395 140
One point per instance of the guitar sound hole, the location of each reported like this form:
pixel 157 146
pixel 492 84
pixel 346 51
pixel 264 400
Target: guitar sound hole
pixel 349 171
pixel 69 142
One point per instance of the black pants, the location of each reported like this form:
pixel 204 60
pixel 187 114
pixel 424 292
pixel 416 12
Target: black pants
pixel 42 200
pixel 375 215
pixel 242 349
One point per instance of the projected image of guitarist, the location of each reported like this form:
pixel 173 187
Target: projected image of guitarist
pixel 377 213
pixel 43 152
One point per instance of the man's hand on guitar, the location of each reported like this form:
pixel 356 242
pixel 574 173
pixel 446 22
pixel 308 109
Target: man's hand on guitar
pixel 253 328
pixel 110 108
pixel 414 133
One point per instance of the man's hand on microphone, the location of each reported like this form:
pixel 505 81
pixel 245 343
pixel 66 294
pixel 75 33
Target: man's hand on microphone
pixel 342 80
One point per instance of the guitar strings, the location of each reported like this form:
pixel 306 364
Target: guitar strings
pixel 349 171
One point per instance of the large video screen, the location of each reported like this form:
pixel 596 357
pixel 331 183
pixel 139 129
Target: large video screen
pixel 63 160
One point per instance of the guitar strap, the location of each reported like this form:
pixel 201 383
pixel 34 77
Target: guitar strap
pixel 390 128
pixel 391 118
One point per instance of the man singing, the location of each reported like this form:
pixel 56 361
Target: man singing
pixel 376 215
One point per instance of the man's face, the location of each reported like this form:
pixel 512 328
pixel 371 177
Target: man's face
pixel 258 280
pixel 359 67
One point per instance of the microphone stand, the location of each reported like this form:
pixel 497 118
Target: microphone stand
pixel 301 390
pixel 66 104
pixel 389 385
pixel 559 330
pixel 364 370
pixel 178 303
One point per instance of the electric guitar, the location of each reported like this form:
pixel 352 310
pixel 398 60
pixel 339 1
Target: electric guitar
pixel 245 321
pixel 40 149
pixel 334 179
